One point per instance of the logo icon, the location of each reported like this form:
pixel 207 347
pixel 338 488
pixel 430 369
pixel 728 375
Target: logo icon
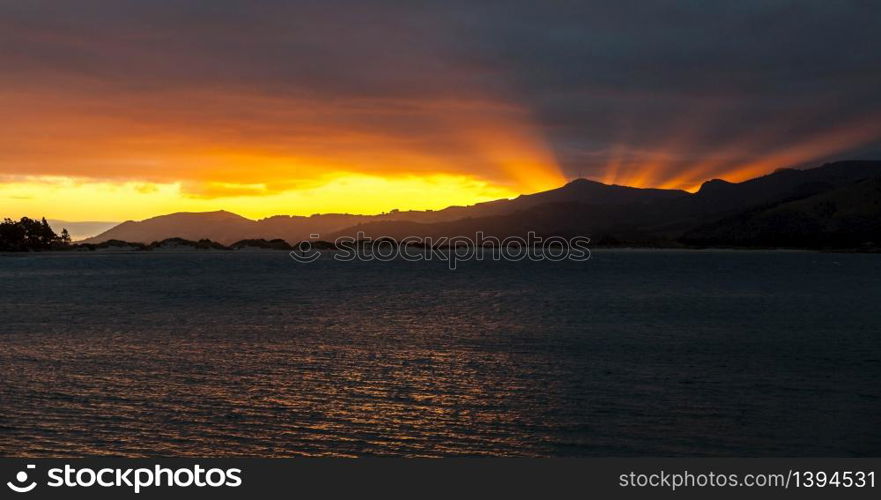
pixel 22 478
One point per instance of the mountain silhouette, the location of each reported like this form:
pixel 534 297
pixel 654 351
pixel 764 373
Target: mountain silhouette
pixel 227 228
pixel 660 220
pixel 831 206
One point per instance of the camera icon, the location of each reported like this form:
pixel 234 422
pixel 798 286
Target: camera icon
pixel 21 478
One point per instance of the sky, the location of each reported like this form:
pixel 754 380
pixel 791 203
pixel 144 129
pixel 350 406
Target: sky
pixel 125 109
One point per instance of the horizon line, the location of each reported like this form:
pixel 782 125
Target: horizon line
pixel 692 191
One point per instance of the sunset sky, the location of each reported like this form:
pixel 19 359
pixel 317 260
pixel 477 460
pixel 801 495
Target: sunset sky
pixel 118 109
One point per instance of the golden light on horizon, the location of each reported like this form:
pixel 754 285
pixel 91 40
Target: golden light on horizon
pixel 89 159
pixel 73 199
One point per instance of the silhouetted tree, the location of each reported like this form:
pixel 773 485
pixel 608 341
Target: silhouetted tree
pixel 30 235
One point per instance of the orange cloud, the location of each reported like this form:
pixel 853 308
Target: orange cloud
pixel 236 145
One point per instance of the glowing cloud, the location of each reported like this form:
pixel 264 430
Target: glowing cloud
pixel 261 156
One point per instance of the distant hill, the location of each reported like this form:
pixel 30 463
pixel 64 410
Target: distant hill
pixel 227 228
pixel 218 226
pixel 780 209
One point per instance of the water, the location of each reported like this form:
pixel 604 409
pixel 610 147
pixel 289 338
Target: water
pixel 250 354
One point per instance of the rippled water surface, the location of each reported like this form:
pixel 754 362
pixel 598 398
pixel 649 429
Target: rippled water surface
pixel 630 353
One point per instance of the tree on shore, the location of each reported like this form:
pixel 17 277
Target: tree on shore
pixel 28 235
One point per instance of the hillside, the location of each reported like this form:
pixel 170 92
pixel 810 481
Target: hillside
pixel 846 217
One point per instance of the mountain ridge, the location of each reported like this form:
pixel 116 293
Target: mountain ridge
pixel 582 206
